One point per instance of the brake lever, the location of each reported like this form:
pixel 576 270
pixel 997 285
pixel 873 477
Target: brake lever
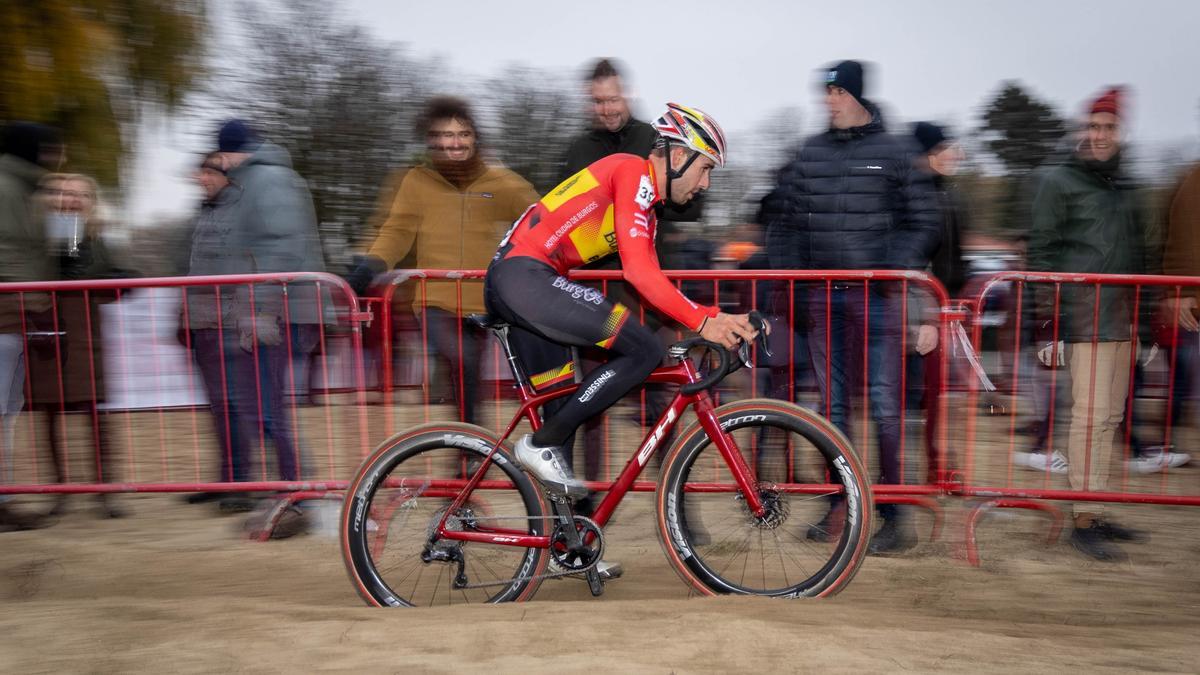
pixel 759 322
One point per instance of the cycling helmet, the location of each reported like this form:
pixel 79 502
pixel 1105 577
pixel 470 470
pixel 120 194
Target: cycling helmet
pixel 693 128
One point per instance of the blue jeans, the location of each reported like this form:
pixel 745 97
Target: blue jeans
pixel 262 396
pixel 841 344
pixel 220 361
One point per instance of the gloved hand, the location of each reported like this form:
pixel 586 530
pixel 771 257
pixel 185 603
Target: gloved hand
pixel 362 271
pixel 1053 354
pixel 263 326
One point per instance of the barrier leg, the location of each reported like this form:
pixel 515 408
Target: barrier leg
pixel 981 509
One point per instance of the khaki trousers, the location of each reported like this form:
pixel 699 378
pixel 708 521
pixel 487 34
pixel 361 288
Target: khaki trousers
pixel 1099 391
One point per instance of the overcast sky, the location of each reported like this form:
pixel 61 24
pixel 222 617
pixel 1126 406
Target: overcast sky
pixel 742 59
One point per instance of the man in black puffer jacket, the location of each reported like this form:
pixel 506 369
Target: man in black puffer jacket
pixel 852 199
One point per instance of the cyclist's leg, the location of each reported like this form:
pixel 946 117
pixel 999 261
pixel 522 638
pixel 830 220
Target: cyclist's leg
pixel 531 295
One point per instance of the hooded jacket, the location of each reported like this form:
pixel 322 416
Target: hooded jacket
pixel 23 252
pixel 275 230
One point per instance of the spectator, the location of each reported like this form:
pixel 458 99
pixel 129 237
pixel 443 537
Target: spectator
pixel 1181 256
pixel 210 321
pixel 70 379
pixel 940 158
pixel 275 231
pixel 27 152
pixel 615 130
pixel 452 211
pixel 1087 218
pixel 853 199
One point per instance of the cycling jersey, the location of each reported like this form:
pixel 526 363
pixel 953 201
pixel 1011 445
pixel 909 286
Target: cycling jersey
pixel 604 209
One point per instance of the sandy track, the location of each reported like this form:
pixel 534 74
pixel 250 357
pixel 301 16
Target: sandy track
pixel 176 588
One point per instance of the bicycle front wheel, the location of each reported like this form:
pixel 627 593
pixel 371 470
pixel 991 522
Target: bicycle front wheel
pixel 399 496
pixel 812 538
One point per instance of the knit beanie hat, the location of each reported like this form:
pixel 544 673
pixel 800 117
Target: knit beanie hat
pixel 929 136
pixel 237 136
pixel 27 140
pixel 849 76
pixel 1108 102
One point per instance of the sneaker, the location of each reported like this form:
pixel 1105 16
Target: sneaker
pixel 236 502
pixel 1114 532
pixel 292 521
pixel 108 507
pixel 1157 459
pixel 1093 543
pixel 1037 461
pixel 12 520
pixel 895 537
pixel 546 465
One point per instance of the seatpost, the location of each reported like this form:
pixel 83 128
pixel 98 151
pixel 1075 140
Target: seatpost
pixel 518 376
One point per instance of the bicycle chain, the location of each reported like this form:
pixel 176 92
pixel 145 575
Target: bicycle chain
pixel 544 575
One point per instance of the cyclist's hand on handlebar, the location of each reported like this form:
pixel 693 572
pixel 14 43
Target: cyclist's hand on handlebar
pixel 726 329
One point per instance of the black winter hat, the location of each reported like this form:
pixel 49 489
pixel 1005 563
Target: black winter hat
pixel 237 136
pixel 930 135
pixel 849 76
pixel 27 140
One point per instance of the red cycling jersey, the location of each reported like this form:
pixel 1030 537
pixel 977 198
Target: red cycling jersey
pixel 604 209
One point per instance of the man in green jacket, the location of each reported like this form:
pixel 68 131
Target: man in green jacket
pixel 27 152
pixel 1087 218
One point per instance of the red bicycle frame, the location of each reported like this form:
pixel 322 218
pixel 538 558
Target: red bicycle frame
pixel 682 373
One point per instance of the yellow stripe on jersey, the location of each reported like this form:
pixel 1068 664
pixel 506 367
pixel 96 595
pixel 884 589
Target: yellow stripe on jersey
pixel 594 240
pixel 553 376
pixel 612 325
pixel 569 189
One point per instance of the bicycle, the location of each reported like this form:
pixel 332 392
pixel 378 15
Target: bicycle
pixel 445 503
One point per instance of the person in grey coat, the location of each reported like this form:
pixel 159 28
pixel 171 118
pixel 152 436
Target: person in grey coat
pixel 208 325
pixel 27 152
pixel 273 229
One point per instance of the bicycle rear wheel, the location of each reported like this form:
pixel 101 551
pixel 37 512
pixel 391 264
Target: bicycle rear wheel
pixel 809 478
pixel 398 497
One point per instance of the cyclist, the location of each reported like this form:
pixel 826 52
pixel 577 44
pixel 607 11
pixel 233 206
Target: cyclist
pixel 608 207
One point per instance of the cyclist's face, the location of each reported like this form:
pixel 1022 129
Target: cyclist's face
pixel 609 107
pixel 451 140
pixel 1103 135
pixel 693 181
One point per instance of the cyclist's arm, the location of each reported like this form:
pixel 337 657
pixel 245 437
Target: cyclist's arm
pixel 634 226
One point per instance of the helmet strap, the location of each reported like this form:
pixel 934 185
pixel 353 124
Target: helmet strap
pixel 672 173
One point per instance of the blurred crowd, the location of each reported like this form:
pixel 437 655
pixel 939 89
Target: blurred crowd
pixel 860 195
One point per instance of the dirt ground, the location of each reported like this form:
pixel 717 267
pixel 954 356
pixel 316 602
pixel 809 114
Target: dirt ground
pixel 177 588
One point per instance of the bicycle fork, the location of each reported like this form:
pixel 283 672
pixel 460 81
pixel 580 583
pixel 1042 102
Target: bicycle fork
pixel 743 475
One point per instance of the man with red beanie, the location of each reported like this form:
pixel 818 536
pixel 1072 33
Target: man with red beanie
pixel 1087 218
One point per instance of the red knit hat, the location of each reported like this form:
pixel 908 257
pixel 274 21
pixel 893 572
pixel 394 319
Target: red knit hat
pixel 1109 102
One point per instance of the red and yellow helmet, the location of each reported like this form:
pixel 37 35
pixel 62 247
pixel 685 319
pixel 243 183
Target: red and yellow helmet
pixel 693 128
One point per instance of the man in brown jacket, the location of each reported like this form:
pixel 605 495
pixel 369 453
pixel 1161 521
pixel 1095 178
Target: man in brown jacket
pixel 450 212
pixel 1182 253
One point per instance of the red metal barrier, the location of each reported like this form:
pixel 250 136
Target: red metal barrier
pixel 1090 314
pixel 789 293
pixel 108 350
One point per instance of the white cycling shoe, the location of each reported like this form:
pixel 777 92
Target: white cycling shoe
pixel 546 465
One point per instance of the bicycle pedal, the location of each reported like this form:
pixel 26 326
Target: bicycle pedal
pixel 595 583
